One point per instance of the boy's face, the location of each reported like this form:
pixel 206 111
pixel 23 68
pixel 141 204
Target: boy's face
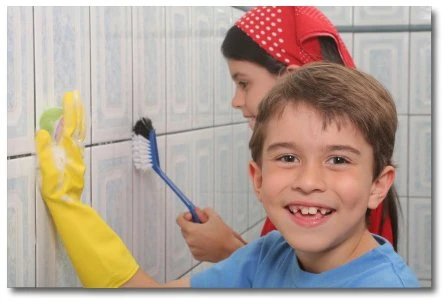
pixel 315 184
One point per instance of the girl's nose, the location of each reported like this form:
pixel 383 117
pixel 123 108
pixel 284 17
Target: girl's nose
pixel 238 100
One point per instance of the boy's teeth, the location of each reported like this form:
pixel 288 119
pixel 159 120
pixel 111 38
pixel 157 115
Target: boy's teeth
pixel 312 210
pixel 309 210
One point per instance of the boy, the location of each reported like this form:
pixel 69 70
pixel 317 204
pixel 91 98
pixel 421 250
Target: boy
pixel 321 149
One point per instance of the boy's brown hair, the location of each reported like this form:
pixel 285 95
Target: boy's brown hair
pixel 339 94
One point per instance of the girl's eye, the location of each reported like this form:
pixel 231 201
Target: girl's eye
pixel 287 158
pixel 242 84
pixel 338 160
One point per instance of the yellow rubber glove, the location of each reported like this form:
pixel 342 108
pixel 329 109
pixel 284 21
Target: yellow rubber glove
pixel 98 255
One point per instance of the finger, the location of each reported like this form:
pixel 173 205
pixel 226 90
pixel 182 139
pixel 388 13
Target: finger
pixel 73 151
pixel 238 236
pixel 80 117
pixel 69 115
pixel 209 212
pixel 183 220
pixel 201 215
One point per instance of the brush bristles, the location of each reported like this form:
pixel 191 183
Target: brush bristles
pixel 143 127
pixel 142 157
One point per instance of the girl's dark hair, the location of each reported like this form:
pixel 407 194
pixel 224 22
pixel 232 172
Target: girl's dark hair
pixel 237 45
pixel 338 93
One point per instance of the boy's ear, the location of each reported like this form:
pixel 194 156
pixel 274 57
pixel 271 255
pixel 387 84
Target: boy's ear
pixel 256 178
pixel 381 186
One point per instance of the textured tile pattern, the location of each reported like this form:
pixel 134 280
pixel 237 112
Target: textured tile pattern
pixel 165 63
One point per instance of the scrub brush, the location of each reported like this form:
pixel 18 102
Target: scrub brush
pixel 145 157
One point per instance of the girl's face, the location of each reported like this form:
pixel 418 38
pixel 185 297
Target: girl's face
pixel 252 82
pixel 316 185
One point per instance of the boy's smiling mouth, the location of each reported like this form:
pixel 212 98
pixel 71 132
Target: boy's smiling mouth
pixel 312 210
pixel 309 216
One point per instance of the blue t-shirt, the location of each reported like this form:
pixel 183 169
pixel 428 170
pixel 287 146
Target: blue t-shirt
pixel 270 262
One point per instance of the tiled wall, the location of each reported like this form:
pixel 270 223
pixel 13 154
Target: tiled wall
pixel 394 45
pixel 127 62
pixel 165 63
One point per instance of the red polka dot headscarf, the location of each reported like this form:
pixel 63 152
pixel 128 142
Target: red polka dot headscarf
pixel 288 33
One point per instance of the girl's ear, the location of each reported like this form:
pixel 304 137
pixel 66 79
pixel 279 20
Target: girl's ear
pixel 291 68
pixel 256 178
pixel 381 186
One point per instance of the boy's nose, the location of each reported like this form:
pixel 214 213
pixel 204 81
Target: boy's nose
pixel 309 178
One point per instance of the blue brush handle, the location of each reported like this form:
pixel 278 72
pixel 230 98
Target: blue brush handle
pixel 178 192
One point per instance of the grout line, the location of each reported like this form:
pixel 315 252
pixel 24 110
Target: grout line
pixel 164 28
pixel 129 139
pixel 91 103
pixel 133 245
pixel 35 121
pixel 383 28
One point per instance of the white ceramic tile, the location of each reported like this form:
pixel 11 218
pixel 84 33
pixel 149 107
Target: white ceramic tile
pixel 381 15
pixel 149 218
pixel 420 156
pixel 179 70
pixel 111 73
pixel 419 244
pixel 203 167
pixel 223 83
pixel 402 245
pixel 237 14
pixel 348 39
pixel 400 156
pixel 62 57
pixel 202 55
pixel 254 231
pixel 426 283
pixel 223 173
pixel 21 222
pixel 111 187
pixel 201 267
pixel 179 162
pixel 420 73
pixel 240 178
pixel 385 56
pixel 20 73
pixel 420 15
pixel 149 83
pixel 338 15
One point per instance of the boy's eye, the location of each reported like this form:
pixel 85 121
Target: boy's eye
pixel 337 160
pixel 287 158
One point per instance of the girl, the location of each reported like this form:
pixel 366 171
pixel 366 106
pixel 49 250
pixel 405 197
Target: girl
pixel 264 45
